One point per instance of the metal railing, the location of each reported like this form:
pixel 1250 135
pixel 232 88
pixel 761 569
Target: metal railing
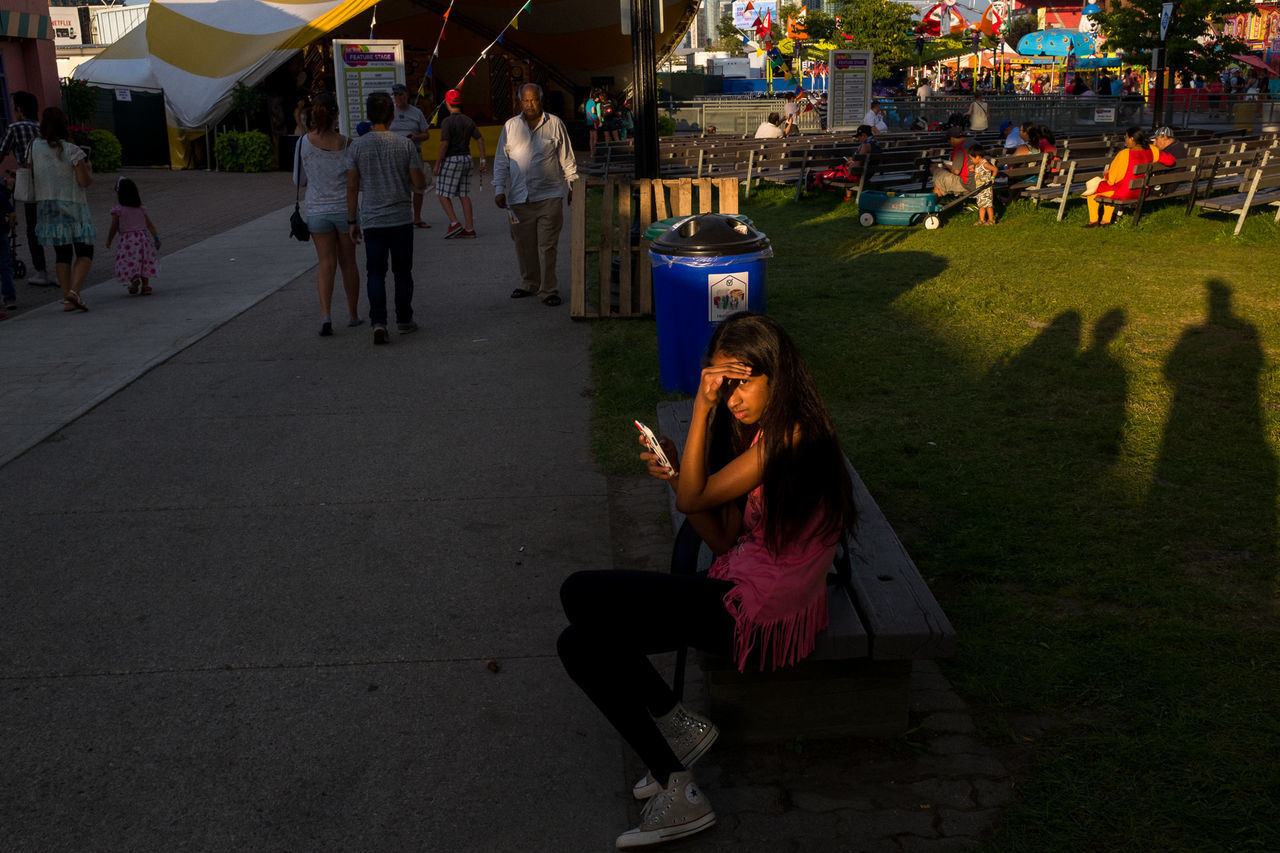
pixel 740 116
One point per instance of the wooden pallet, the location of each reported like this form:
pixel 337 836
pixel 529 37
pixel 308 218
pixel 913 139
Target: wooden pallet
pixel 619 213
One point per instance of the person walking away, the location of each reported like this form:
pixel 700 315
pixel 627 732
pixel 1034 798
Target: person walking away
pixel 136 253
pixel 984 176
pixel 60 172
pixel 409 121
pixel 764 599
pixel 533 173
pixel 595 123
pixel 386 168
pixel 320 165
pixel 17 141
pixel 978 113
pixel 453 165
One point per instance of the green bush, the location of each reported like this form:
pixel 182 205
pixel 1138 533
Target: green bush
pixel 666 126
pixel 107 152
pixel 244 152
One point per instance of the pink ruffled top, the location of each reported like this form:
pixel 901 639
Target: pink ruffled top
pixel 779 600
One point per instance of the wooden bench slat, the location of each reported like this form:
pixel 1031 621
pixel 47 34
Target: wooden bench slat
pixel 903 617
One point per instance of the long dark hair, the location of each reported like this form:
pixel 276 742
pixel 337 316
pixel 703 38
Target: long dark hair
pixel 1138 135
pixel 804 470
pixel 324 112
pixel 53 128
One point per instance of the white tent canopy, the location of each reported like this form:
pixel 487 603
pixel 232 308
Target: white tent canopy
pixel 197 50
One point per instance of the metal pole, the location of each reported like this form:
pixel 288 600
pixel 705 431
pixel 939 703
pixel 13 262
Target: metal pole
pixel 644 88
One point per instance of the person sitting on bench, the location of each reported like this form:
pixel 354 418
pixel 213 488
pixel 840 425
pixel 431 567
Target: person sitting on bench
pixel 867 145
pixel 954 177
pixel 764 600
pixel 1138 151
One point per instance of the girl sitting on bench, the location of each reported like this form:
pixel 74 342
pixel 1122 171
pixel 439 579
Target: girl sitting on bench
pixel 764 600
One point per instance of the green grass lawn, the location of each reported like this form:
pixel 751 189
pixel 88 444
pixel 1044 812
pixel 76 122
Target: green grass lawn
pixel 1075 434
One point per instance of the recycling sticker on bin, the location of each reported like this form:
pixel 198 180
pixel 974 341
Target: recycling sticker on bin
pixel 726 293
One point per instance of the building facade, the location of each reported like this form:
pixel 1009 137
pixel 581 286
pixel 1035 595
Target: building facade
pixel 27 58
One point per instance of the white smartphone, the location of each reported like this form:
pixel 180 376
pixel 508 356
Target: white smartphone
pixel 656 449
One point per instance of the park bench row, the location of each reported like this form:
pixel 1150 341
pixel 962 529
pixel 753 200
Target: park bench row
pixel 902 164
pixel 1239 169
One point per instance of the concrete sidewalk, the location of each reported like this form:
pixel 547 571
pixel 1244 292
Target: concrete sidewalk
pixel 254 576
pixel 257 583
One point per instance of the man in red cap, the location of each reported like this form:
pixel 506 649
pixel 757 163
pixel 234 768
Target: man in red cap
pixel 453 165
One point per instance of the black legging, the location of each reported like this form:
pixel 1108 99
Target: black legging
pixel 616 618
pixel 62 254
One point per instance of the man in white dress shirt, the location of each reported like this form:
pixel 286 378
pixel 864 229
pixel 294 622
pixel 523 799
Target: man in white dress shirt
pixel 533 172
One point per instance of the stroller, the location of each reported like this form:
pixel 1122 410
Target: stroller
pixel 19 266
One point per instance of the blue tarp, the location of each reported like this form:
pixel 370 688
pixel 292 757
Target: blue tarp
pixel 1056 43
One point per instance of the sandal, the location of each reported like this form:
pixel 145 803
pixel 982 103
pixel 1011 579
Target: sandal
pixel 74 300
pixel 68 305
pixel 146 290
pixel 551 301
pixel 521 293
pixel 134 285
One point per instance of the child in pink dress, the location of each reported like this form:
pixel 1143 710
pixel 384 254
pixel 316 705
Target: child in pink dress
pixel 136 254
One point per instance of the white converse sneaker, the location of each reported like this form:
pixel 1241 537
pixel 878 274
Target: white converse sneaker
pixel 677 810
pixel 689 735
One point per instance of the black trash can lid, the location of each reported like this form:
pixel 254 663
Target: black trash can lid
pixel 710 235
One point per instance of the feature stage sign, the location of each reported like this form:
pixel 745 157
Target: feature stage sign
pixel 849 73
pixel 362 68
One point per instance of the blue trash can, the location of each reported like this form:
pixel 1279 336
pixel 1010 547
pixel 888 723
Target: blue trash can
pixel 704 269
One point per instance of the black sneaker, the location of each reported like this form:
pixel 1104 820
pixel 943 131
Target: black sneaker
pixel 407 328
pixel 380 335
pixel 326 329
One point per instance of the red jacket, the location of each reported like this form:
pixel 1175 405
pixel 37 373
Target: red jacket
pixel 1120 173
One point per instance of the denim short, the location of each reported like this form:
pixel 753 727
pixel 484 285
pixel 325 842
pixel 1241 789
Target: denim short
pixel 323 223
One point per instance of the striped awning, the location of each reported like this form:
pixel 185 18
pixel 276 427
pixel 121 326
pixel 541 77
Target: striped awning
pixel 24 25
pixel 197 50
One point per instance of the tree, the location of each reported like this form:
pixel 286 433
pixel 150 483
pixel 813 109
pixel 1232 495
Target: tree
pixel 247 101
pixel 1134 27
pixel 1019 27
pixel 882 27
pixel 730 39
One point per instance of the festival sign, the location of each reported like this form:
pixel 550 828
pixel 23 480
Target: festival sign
pixel 850 88
pixel 362 68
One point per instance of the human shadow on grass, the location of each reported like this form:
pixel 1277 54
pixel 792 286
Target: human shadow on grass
pixel 1049 422
pixel 1213 496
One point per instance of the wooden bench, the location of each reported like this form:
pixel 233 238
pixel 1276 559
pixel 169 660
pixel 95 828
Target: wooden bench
pixel 857 681
pixel 1263 188
pixel 1070 180
pixel 1155 182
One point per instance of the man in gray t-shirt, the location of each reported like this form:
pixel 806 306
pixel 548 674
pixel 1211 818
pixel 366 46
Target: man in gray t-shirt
pixel 409 122
pixel 386 168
